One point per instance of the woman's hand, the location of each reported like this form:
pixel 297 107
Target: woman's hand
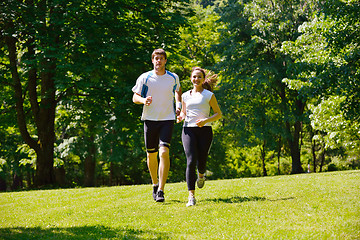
pixel 201 122
pixel 179 118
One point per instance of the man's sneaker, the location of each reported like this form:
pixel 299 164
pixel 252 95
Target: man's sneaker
pixel 191 202
pixel 200 182
pixel 160 196
pixel 155 189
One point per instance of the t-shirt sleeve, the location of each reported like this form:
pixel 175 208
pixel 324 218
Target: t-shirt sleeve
pixel 184 97
pixel 209 96
pixel 177 83
pixel 138 85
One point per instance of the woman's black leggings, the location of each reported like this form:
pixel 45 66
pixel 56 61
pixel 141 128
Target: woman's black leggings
pixel 197 142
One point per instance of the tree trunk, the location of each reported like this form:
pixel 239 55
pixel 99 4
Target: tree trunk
pixel 322 157
pixel 43 112
pixel 29 178
pixel 44 175
pixel 313 151
pixel 60 176
pixel 45 156
pixel 278 155
pixel 313 148
pixel 111 176
pixel 90 164
pixel 262 150
pixel 293 132
pixel 293 141
pixel 17 182
pixel 3 185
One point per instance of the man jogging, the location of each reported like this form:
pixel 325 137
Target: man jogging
pixel 156 89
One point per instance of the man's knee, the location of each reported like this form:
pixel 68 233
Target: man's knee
pixel 164 152
pixel 164 144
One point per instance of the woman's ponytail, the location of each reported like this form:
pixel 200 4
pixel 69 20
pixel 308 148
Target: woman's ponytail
pixel 210 78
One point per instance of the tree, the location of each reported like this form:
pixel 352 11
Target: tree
pixel 342 74
pixel 251 46
pixel 335 132
pixel 327 55
pixel 195 49
pixel 56 49
pixel 196 40
pixel 326 67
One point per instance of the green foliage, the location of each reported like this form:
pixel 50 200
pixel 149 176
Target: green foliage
pixel 289 85
pixel 195 49
pixel 196 40
pixel 327 54
pixel 246 162
pixel 15 165
pixel 325 70
pixel 343 40
pixel 91 54
pixel 259 109
pixel 337 133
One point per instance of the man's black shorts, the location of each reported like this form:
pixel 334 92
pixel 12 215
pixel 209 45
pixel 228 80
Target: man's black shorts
pixel 157 133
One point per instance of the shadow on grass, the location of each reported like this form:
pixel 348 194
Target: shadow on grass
pixel 172 201
pixel 237 199
pixel 86 232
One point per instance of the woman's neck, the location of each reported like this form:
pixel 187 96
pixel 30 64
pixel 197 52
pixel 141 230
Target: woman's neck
pixel 198 89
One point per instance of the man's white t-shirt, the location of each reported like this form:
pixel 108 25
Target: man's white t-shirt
pixel 161 89
pixel 197 107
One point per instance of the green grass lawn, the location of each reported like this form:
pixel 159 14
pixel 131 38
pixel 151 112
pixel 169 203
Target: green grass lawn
pixel 306 206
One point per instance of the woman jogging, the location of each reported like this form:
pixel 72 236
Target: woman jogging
pixel 197 133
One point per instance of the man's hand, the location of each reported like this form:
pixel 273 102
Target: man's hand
pixel 148 100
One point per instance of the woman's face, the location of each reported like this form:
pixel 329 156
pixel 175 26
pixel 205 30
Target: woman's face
pixel 197 78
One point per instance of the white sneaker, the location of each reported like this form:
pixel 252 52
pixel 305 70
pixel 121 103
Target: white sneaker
pixel 191 202
pixel 201 182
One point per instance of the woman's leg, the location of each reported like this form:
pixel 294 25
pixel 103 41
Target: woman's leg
pixel 205 136
pixel 190 148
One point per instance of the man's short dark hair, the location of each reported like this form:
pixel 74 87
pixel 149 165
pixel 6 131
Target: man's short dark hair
pixel 158 52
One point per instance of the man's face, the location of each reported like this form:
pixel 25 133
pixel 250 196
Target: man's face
pixel 159 62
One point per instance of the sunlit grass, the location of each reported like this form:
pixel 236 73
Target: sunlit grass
pixel 307 206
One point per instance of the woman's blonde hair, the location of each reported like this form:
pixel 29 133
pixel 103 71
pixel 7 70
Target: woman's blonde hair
pixel 210 78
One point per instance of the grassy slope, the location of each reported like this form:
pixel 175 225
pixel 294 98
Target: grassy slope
pixel 307 206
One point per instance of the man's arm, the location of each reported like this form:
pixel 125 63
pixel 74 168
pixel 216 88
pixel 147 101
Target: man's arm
pixel 140 100
pixel 178 101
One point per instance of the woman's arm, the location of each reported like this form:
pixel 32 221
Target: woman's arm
pixel 217 113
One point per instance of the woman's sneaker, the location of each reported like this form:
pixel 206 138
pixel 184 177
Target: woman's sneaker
pixel 191 202
pixel 200 182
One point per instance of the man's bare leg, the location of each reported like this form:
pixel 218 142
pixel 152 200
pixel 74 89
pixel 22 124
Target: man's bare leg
pixel 152 163
pixel 164 166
